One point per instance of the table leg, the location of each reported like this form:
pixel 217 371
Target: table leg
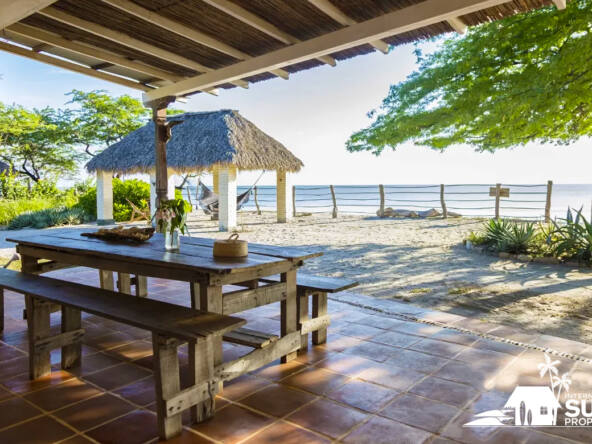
pixel 38 312
pixel 289 323
pixel 201 369
pixel 1 309
pixel 210 299
pixel 124 283
pixel 195 294
pixel 106 279
pixel 141 286
pixel 319 308
pixel 71 353
pixel 167 383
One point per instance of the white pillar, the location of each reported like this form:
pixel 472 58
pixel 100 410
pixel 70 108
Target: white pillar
pixel 227 196
pixel 283 197
pixel 170 191
pixel 104 198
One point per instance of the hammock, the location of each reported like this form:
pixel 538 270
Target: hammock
pixel 208 200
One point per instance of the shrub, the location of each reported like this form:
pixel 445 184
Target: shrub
pixel 9 209
pixel 49 217
pixel 136 191
pixel 507 236
pixel 572 239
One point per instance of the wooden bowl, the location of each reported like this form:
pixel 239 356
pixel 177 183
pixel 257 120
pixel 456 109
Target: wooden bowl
pixel 231 247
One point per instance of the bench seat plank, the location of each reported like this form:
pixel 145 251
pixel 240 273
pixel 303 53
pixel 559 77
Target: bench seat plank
pixel 149 314
pixel 318 283
pixel 250 338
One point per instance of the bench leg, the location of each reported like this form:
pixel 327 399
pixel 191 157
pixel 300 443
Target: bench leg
pixel 319 308
pixel 141 286
pixel 124 283
pixel 201 370
pixel 303 317
pixel 289 321
pixel 106 279
pixel 38 313
pixel 168 384
pixel 210 299
pixel 71 353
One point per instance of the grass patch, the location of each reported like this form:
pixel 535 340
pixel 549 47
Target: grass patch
pixel 16 265
pixel 459 290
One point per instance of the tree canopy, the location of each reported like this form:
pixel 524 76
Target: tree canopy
pixel 522 79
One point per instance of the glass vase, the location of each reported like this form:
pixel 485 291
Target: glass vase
pixel 171 239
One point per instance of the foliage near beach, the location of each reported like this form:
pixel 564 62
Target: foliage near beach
pixel 522 79
pixel 568 239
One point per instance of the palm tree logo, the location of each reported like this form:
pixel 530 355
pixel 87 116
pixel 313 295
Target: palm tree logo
pixel 549 367
pixel 563 383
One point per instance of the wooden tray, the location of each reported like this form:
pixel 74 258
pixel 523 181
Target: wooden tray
pixel 133 235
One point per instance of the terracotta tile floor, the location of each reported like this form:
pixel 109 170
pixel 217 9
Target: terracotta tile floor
pixel 382 377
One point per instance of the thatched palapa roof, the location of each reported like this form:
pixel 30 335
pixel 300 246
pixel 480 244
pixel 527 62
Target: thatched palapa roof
pixel 203 140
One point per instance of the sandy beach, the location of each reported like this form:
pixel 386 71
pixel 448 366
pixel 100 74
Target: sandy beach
pixel 423 262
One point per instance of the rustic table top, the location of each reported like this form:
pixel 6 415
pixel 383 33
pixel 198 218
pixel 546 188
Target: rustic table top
pixel 194 254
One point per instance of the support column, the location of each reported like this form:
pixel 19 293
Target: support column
pixel 104 198
pixel 215 186
pixel 227 196
pixel 170 191
pixel 283 197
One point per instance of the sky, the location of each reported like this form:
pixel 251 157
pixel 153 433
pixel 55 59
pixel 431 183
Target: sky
pixel 315 112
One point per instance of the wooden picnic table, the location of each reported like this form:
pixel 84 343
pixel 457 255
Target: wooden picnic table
pixel 193 263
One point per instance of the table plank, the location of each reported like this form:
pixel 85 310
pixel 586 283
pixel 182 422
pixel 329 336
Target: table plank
pixel 190 257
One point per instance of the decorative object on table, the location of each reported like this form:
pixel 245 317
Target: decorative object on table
pixel 133 235
pixel 231 247
pixel 171 218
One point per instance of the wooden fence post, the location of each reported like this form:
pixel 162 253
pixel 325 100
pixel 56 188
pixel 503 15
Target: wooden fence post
pixel 256 201
pixel 334 201
pixel 498 187
pixel 443 202
pixel 381 190
pixel 548 203
pixel 294 200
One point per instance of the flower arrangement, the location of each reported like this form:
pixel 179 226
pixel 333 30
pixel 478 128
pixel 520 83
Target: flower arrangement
pixel 171 216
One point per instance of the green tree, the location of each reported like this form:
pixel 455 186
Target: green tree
pixel 35 142
pixel 523 79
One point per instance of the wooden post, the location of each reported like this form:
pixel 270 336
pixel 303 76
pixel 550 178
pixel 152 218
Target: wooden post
pixel 106 279
pixel 141 286
pixel 498 187
pixel 162 134
pixel 227 198
pixel 443 202
pixel 548 203
pixel 381 191
pixel 124 283
pixel 257 202
pixel 303 317
pixel 319 308
pixel 334 201
pixel 38 313
pixel 282 198
pixel 104 198
pixel 201 369
pixel 1 309
pixel 294 200
pixel 216 189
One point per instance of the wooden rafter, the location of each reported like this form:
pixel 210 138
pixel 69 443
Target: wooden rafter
pixel 182 30
pixel 18 50
pixel 561 4
pixel 11 11
pixel 130 42
pixel 262 25
pixel 89 51
pixel 457 24
pixel 404 20
pixel 340 17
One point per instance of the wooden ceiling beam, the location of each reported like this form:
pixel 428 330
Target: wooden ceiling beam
pixel 11 11
pixel 182 30
pixel 126 40
pixel 561 4
pixel 81 69
pixel 457 24
pixel 262 25
pixel 89 51
pixel 340 17
pixel 413 17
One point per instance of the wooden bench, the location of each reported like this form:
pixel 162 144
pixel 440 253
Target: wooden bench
pixel 171 325
pixel 317 287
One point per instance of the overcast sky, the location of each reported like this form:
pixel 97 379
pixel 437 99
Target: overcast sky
pixel 315 112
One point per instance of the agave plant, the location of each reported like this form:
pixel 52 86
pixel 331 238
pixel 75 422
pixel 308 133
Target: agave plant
pixel 518 239
pixel 572 237
pixel 496 230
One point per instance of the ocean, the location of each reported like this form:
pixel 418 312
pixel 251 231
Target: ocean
pixel 525 200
